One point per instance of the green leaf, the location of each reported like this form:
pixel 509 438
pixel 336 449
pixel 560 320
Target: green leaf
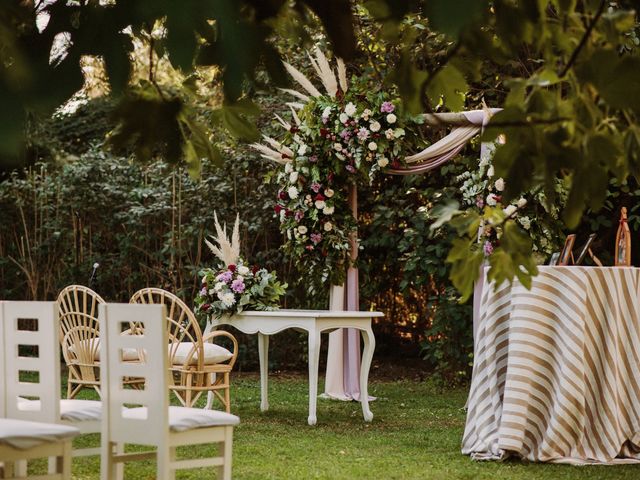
pixel 465 265
pixel 444 213
pixel 449 85
pixel 452 17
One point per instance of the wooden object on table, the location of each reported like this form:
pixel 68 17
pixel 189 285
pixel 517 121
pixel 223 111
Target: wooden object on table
pixel 192 356
pixel 586 249
pixel 80 337
pixel 567 252
pixel 153 422
pixel 623 241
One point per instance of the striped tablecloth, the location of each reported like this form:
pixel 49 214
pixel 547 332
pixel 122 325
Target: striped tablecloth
pixel 556 376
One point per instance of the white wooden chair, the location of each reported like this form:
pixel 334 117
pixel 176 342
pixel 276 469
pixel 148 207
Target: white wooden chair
pixel 197 364
pixel 39 400
pixel 151 421
pixel 20 440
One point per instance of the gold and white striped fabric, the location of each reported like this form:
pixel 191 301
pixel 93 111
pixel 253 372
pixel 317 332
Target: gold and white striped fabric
pixel 556 376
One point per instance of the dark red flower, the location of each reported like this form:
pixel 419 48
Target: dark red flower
pixel 282 195
pixel 205 307
pixel 330 177
pixel 255 269
pixel 395 164
pixel 288 213
pixel 324 132
pixel 277 208
pixel 319 197
pixel 498 198
pixel 232 268
pixel 293 129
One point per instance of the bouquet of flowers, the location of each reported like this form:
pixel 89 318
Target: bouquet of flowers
pixel 335 140
pixel 234 286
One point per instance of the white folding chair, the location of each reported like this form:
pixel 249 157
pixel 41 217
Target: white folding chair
pixel 20 440
pixel 144 417
pixel 39 400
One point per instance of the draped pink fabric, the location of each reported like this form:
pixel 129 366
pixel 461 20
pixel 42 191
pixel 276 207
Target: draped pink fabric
pixel 344 346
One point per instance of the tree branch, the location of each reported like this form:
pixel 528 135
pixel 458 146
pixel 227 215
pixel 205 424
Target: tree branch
pixel 583 40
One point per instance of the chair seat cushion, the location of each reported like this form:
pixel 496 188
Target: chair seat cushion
pixel 183 418
pixel 93 345
pixel 71 410
pixel 212 353
pixel 24 435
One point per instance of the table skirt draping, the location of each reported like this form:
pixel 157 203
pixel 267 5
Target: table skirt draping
pixel 556 376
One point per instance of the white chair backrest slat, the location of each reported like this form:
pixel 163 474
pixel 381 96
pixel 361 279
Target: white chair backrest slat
pixel 153 367
pixel 35 353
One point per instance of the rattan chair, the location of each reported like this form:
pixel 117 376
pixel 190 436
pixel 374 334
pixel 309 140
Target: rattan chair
pixel 196 363
pixel 80 337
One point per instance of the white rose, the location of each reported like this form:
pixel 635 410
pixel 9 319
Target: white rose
pixel 499 184
pixel 288 168
pixel 366 114
pixel 328 210
pixel 320 204
pixel 350 109
pixel 375 126
pixel 491 200
pixel 522 202
pixel 293 177
pixel 344 118
pixel 242 270
pixel 490 172
pixel 302 229
pixel 212 291
pixel 302 150
pixel 525 222
pixel 328 227
pixel 293 192
pixel 510 210
pixel 337 147
pixel 391 118
pixel 328 193
pixel 383 162
pixel 373 146
pixel 326 112
pixel 389 134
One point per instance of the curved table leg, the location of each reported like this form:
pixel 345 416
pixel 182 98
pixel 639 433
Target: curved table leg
pixel 314 360
pixel 367 356
pixel 263 353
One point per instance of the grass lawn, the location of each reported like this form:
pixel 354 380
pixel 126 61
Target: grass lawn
pixel 415 434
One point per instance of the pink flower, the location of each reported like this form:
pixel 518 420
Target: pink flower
pixel 237 286
pixel 225 277
pixel 487 248
pixel 309 247
pixel 479 201
pixel 316 238
pixel 350 168
pixel 299 215
pixel 315 186
pixel 387 107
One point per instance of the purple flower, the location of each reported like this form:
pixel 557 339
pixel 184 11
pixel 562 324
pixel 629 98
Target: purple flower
pixel 479 201
pixel 345 134
pixel 315 186
pixel 487 248
pixel 325 120
pixel 387 107
pixel 299 215
pixel 203 292
pixel 225 277
pixel 316 238
pixel 237 286
pixel 350 168
pixel 313 158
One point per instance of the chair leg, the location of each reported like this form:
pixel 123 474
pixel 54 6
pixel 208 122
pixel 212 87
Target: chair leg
pixel 107 465
pixel 64 462
pixel 225 449
pixel 163 464
pixel 227 393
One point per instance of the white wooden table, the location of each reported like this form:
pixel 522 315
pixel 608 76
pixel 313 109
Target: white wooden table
pixel 314 322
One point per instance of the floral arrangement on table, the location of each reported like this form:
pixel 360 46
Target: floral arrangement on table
pixel 480 188
pixel 337 139
pixel 235 286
